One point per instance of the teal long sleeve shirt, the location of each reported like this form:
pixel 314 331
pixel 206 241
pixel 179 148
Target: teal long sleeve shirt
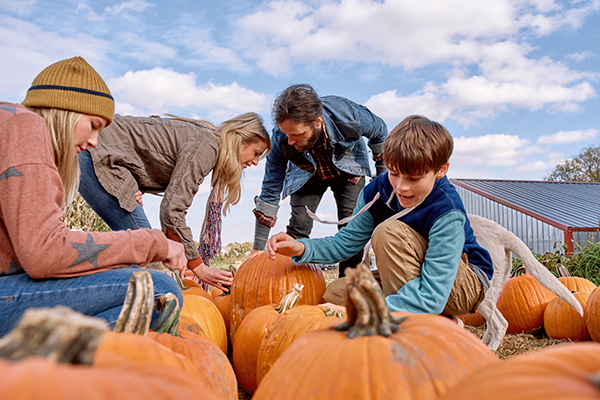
pixel 426 294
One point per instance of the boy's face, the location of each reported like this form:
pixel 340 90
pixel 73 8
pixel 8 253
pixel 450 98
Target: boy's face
pixel 412 189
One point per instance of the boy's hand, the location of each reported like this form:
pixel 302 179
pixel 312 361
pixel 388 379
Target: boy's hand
pixel 284 244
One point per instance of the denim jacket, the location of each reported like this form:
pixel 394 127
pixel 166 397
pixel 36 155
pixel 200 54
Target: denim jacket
pixel 287 169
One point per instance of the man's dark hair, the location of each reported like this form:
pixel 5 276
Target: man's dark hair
pixel 298 103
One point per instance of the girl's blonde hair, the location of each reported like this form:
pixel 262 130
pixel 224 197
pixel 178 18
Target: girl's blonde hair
pixel 61 127
pixel 244 129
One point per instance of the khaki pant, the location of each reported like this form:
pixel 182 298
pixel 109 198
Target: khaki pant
pixel 399 253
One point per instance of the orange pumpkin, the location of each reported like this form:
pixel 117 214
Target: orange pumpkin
pixel 195 288
pixel 143 349
pixel 223 302
pixel 216 371
pixel 207 315
pixel 565 371
pixel 261 281
pixel 592 315
pixel 375 354
pixel 250 335
pixel 577 284
pixel 111 377
pixel 522 302
pixel 472 319
pixel 561 321
pixel 288 327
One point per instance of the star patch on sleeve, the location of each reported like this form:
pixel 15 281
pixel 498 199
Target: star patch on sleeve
pixel 88 251
pixel 9 173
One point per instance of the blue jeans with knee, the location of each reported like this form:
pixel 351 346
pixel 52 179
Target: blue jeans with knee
pixel 100 295
pixel 105 204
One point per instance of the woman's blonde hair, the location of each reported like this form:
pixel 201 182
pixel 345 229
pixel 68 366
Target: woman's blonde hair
pixel 244 129
pixel 61 127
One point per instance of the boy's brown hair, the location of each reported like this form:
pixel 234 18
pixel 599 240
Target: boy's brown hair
pixel 417 146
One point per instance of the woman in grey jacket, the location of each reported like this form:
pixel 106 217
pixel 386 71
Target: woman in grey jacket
pixel 138 155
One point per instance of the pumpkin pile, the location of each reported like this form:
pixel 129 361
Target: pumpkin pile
pixel 285 344
pixel 531 308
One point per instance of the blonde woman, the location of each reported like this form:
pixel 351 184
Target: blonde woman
pixel 42 263
pixel 172 156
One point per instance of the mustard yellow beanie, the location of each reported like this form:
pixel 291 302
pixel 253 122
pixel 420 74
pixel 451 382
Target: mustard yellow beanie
pixel 71 85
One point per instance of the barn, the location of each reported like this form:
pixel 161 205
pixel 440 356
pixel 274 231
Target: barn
pixel 544 214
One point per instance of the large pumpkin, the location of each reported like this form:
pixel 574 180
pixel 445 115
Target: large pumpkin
pixel 375 355
pixel 250 335
pixel 561 321
pixel 208 316
pixel 261 281
pixel 592 315
pixel 577 284
pixel 566 371
pixel 522 302
pixel 111 377
pixel 288 327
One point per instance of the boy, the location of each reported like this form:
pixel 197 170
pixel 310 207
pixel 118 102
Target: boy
pixel 428 258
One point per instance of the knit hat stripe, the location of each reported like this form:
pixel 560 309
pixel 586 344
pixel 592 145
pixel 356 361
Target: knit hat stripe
pixel 71 85
pixel 72 89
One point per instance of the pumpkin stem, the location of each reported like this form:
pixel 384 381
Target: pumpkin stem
pixel 562 271
pixel 289 300
pixel 59 334
pixel 136 314
pixel 365 304
pixel 332 312
pixel 168 322
pixel 158 266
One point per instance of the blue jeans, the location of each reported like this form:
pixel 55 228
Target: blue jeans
pixel 100 295
pixel 105 204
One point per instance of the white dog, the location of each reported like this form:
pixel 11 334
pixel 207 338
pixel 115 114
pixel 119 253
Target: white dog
pixel 499 242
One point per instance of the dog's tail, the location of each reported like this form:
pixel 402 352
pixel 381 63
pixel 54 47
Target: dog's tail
pixel 539 272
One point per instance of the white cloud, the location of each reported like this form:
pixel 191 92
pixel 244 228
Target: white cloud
pixel 135 5
pixel 21 8
pixel 160 90
pixel 491 150
pixel 563 137
pixel 580 56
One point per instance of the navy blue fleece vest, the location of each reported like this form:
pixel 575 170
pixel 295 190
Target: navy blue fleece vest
pixel 443 199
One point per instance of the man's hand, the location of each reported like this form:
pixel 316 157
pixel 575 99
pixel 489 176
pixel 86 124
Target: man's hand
pixel 176 259
pixel 284 244
pixel 213 276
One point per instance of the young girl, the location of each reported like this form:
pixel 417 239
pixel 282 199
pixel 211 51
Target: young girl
pixel 42 263
pixel 172 156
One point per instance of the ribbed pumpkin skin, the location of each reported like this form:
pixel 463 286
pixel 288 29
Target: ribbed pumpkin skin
pixel 112 377
pixel 214 366
pixel 561 321
pixel 472 319
pixel 247 344
pixel 522 302
pixel 261 281
pixel 198 291
pixel 577 284
pixel 555 373
pixel 288 327
pixel 143 349
pixel 208 316
pixel 592 315
pixel 425 358
pixel 223 302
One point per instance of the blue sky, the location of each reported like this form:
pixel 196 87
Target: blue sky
pixel 515 82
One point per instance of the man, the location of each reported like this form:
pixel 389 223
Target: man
pixel 317 144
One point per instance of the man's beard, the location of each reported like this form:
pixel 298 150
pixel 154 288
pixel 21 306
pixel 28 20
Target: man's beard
pixel 310 143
